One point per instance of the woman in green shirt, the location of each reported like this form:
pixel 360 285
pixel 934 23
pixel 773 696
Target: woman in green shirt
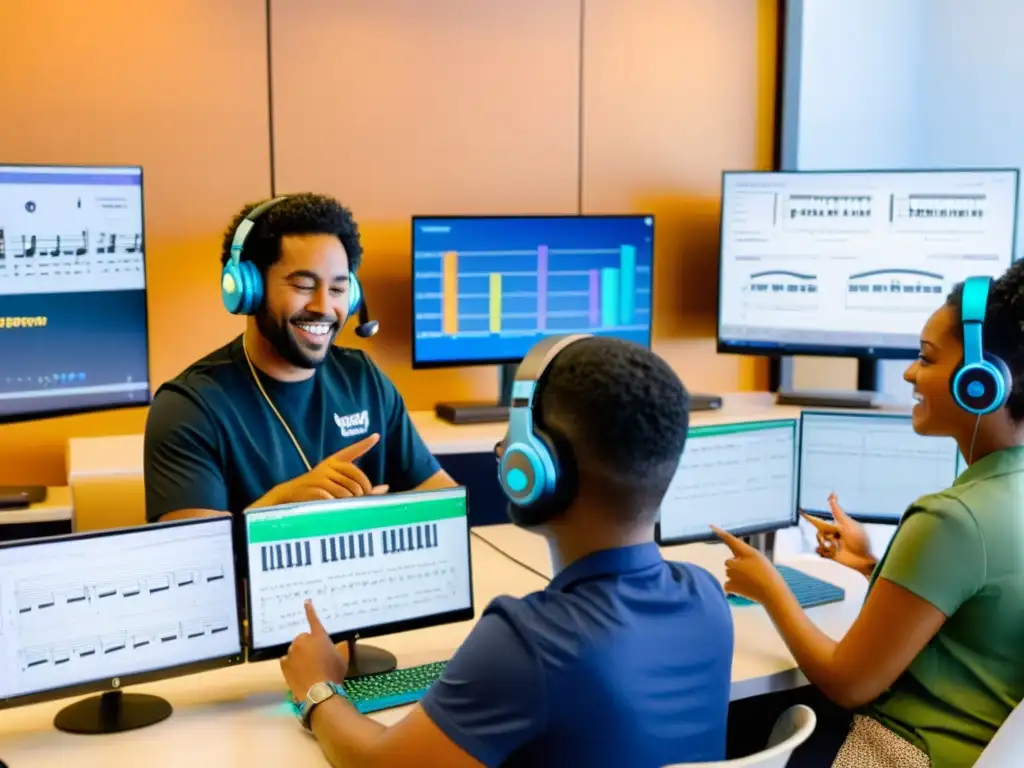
pixel 934 662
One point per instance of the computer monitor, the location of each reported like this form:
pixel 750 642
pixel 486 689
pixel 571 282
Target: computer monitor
pixel 875 463
pixel 852 263
pixel 740 477
pixel 73 321
pixel 372 565
pixel 104 610
pixel 487 288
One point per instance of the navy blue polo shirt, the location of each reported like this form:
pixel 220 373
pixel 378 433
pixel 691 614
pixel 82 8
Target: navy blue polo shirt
pixel 212 442
pixel 625 659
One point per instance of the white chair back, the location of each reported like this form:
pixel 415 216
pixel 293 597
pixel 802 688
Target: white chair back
pixel 1007 745
pixel 792 729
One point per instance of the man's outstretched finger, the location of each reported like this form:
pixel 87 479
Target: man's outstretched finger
pixel 354 451
pixel 314 621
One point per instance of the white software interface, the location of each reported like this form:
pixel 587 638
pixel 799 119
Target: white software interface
pixel 70 229
pixel 739 477
pixel 363 562
pixel 855 259
pixel 82 609
pixel 875 464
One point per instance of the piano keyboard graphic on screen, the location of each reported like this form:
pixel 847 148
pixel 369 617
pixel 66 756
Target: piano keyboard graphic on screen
pixel 352 546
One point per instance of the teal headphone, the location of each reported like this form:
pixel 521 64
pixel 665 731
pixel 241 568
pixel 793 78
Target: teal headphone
pixel 982 382
pixel 537 471
pixel 241 284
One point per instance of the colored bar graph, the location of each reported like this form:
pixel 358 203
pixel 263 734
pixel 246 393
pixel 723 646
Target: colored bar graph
pixel 595 298
pixel 627 283
pixel 609 297
pixel 542 287
pixel 450 293
pixel 495 302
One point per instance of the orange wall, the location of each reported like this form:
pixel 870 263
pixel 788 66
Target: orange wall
pixel 397 107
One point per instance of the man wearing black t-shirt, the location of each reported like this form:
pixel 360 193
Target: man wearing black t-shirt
pixel 280 414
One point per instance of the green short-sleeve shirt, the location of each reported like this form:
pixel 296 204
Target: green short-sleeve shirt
pixel 962 550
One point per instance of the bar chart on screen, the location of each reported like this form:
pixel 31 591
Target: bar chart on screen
pixel 532 284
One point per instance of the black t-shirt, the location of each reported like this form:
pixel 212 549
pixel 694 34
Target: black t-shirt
pixel 213 442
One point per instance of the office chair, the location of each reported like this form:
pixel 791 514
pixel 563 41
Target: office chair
pixel 1008 743
pixel 792 729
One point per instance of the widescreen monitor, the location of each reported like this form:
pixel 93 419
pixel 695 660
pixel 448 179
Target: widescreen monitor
pixel 875 463
pixel 372 565
pixel 852 263
pixel 73 322
pixel 103 610
pixel 740 477
pixel 487 288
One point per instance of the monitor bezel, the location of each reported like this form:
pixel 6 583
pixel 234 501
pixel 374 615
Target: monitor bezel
pixel 776 350
pixel 255 654
pixel 780 525
pixel 119 682
pixel 474 362
pixel 860 517
pixel 39 414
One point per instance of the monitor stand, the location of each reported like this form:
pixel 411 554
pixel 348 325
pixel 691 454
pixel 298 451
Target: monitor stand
pixel 482 413
pixel 21 496
pixel 763 542
pixel 368 660
pixel 865 397
pixel 112 712
pixel 490 413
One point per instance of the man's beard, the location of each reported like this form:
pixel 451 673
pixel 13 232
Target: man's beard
pixel 278 333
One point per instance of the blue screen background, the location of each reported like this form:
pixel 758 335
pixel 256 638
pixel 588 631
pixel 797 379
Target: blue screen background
pixel 588 285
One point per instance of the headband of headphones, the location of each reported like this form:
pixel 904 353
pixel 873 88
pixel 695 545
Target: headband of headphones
pixel 973 304
pixel 532 368
pixel 245 226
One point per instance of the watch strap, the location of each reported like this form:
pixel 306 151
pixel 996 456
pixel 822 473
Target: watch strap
pixel 306 707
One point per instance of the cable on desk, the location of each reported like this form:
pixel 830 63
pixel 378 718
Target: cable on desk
pixel 513 559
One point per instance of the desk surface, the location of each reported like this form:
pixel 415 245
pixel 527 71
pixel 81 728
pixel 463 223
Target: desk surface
pixel 761 661
pixel 56 507
pixel 122 454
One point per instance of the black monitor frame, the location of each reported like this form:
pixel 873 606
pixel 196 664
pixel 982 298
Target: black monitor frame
pixel 513 360
pixel 753 530
pixel 861 517
pixel 116 684
pixel 775 349
pixel 35 415
pixel 434 620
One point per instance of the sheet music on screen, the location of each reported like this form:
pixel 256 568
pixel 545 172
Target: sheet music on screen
pixel 364 562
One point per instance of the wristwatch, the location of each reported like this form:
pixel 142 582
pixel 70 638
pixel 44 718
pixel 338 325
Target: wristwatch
pixel 318 694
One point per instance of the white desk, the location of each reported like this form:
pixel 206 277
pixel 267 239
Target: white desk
pixel 123 455
pixel 236 716
pixel 761 661
pixel 54 508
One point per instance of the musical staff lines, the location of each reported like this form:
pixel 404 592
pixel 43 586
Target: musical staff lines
pixel 80 609
pixel 50 263
pixel 40 597
pixel 142 640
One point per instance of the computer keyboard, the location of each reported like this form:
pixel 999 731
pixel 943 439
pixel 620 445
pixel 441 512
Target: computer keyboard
pixel 808 590
pixel 393 689
pixel 390 689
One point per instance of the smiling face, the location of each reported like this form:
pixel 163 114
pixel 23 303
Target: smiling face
pixel 935 412
pixel 306 299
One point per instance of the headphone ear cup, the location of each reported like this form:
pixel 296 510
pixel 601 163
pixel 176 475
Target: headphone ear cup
pixel 355 294
pixel 252 287
pixel 981 388
pixel 556 492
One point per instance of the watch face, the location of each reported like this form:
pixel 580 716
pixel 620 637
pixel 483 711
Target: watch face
pixel 319 692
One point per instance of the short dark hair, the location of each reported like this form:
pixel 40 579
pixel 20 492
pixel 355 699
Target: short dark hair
pixel 1003 330
pixel 305 213
pixel 624 413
